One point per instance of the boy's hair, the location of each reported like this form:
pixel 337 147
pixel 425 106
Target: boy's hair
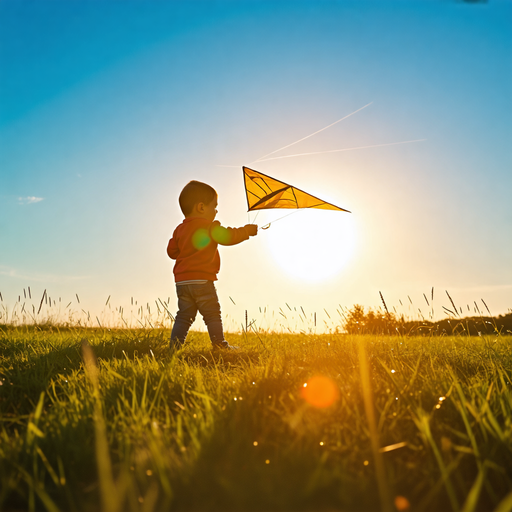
pixel 195 192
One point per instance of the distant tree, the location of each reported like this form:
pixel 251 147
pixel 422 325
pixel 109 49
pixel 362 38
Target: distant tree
pixel 372 322
pixel 357 321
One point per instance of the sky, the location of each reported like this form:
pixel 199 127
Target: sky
pixel 107 109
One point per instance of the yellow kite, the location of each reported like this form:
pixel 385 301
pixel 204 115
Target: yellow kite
pixel 264 193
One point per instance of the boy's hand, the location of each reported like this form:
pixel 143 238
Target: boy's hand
pixel 252 229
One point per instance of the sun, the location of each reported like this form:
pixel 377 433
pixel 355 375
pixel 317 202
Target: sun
pixel 312 245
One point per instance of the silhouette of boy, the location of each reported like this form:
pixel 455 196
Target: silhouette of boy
pixel 194 247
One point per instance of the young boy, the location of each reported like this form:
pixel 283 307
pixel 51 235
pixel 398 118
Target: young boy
pixel 194 247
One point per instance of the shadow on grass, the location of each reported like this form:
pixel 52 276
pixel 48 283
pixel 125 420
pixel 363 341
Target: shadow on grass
pixel 44 354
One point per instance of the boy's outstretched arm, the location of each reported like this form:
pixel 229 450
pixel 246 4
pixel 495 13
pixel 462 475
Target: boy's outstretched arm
pixel 232 236
pixel 252 229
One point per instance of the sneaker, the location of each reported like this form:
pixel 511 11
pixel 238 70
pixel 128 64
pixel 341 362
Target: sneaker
pixel 174 346
pixel 224 345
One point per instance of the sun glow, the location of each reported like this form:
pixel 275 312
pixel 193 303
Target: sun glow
pixel 312 245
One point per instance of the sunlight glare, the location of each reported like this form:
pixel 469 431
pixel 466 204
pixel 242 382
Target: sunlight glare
pixel 312 245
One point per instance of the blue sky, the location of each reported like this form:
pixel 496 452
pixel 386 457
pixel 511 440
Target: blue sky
pixel 107 109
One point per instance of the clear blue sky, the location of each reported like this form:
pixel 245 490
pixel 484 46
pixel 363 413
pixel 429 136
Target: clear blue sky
pixel 107 109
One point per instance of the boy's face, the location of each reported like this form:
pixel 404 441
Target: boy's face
pixel 211 209
pixel 207 211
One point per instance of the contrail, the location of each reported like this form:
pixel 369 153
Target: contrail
pixel 307 137
pixel 339 150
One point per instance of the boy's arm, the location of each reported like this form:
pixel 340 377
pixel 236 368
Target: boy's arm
pixel 172 249
pixel 232 236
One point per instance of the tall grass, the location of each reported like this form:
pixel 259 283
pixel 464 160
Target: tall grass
pixel 116 422
pixel 407 318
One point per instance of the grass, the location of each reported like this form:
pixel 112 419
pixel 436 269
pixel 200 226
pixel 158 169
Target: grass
pixel 99 419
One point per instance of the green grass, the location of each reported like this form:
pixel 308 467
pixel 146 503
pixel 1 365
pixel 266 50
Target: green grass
pixel 119 424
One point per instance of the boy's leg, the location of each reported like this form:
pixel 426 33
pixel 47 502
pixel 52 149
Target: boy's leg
pixel 187 311
pixel 208 305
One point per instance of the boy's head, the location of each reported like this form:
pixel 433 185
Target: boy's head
pixel 193 194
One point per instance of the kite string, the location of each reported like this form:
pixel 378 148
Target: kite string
pixel 254 220
pixel 266 226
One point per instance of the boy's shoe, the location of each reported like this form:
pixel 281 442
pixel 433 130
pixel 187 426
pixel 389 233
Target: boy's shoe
pixel 174 346
pixel 224 345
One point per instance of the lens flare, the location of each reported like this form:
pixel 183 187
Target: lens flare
pixel 402 503
pixel 320 391
pixel 200 239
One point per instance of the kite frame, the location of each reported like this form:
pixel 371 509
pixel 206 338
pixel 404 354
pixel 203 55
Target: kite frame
pixel 244 167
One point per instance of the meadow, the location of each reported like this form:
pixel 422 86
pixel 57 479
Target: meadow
pixel 108 419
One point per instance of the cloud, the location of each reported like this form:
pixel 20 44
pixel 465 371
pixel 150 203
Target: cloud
pixel 29 199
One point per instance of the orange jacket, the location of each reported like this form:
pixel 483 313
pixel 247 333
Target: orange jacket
pixel 194 247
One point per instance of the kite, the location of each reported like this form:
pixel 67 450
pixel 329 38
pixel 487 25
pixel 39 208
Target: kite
pixel 265 193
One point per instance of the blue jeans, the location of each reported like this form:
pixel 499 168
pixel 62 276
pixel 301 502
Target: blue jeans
pixel 191 299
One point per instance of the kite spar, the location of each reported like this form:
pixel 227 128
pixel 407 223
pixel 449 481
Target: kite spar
pixel 265 193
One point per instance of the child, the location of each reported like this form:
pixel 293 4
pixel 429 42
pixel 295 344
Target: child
pixel 194 247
